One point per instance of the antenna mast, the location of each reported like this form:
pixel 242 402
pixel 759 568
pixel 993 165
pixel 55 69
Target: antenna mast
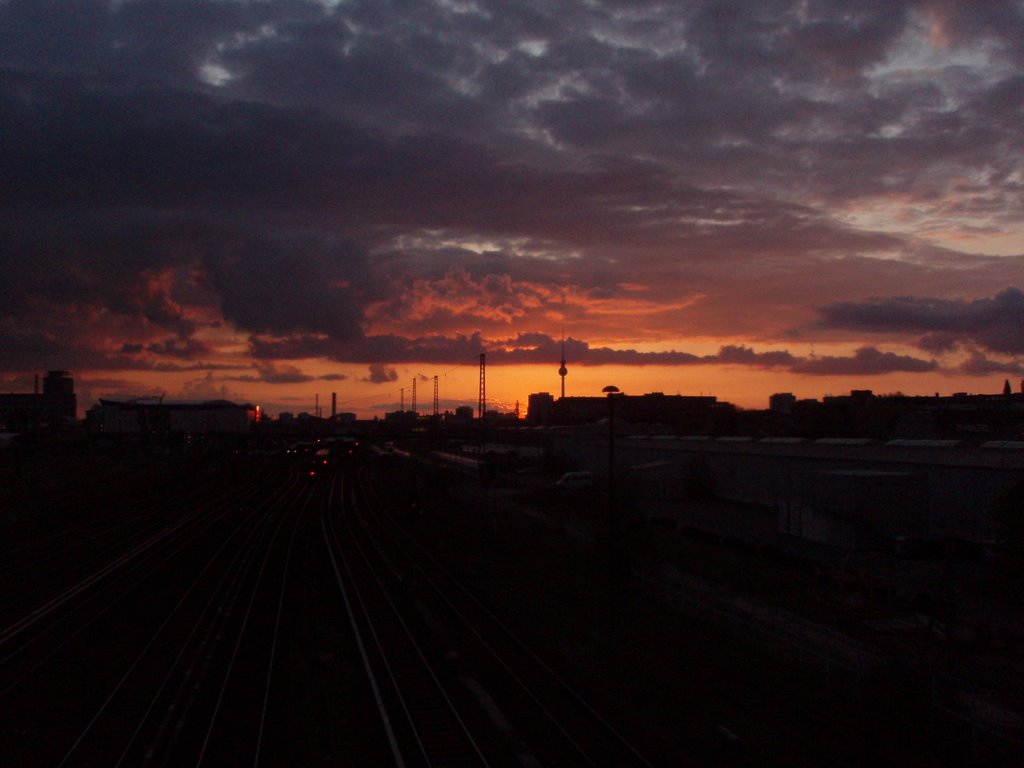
pixel 482 407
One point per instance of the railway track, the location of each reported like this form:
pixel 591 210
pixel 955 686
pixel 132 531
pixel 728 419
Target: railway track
pixel 426 719
pixel 157 647
pixel 39 566
pixel 746 706
pixel 531 714
pixel 295 621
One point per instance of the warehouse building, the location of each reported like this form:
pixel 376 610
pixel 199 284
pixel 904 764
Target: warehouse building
pixel 153 415
pixel 853 493
pixel 56 404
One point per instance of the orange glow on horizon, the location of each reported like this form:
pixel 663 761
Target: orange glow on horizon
pixel 742 386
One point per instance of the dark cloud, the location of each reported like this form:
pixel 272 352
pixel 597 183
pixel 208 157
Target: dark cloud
pixel 273 287
pixel 188 349
pixel 209 388
pixel 938 343
pixel 540 349
pixel 747 356
pixel 980 365
pixel 173 367
pixel 458 350
pixel 994 323
pixel 282 374
pixel 26 349
pixel 381 374
pixel 377 350
pixel 866 361
pixel 112 384
pixel 270 373
pixel 378 183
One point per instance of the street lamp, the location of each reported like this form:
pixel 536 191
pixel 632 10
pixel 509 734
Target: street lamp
pixel 612 391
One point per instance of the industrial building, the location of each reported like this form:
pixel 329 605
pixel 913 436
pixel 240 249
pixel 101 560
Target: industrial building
pixel 652 408
pixel 853 493
pixel 539 406
pixel 56 404
pixel 153 415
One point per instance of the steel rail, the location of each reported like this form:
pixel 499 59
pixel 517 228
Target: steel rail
pixel 153 639
pixel 16 628
pixel 202 519
pixel 330 536
pixel 418 650
pixel 224 599
pixel 242 631
pixel 230 570
pixel 367 489
pixel 277 629
pixel 69 537
pixel 94 617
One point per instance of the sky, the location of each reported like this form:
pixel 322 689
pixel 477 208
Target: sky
pixel 278 200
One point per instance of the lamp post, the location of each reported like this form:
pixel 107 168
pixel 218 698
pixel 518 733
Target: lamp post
pixel 612 391
pixel 613 560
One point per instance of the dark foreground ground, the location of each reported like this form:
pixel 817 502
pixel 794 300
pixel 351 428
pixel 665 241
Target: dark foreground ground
pixel 805 657
pixel 710 651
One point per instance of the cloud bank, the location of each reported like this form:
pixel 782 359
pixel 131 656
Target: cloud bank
pixel 377 184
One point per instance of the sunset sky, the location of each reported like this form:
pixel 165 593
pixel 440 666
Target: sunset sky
pixel 266 201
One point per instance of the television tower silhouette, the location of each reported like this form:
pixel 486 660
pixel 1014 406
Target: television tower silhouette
pixel 562 371
pixel 414 394
pixel 435 396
